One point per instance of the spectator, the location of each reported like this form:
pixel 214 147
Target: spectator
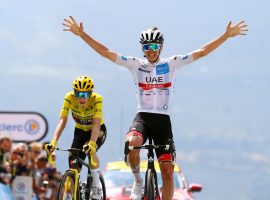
pixel 34 151
pixel 38 183
pixel 17 161
pixel 5 148
pixel 23 153
pixel 51 179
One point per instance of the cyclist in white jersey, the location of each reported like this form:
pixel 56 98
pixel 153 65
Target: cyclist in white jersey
pixel 154 80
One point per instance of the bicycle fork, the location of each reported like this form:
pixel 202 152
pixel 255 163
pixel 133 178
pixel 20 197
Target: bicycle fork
pixel 67 184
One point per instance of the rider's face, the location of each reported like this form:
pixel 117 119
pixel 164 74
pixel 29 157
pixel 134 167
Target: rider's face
pixel 82 97
pixel 152 55
pixel 82 101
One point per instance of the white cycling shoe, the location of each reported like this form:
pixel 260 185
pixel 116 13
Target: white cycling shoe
pixel 96 193
pixel 136 192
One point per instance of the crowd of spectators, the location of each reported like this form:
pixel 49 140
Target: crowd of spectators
pixel 23 159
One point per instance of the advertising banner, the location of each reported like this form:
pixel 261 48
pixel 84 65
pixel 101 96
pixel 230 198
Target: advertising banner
pixel 22 187
pixel 23 126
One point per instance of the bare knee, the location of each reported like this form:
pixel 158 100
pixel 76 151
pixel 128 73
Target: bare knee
pixel 166 171
pixel 134 139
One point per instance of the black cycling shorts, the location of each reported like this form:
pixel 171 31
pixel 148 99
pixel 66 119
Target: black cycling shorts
pixel 157 126
pixel 81 137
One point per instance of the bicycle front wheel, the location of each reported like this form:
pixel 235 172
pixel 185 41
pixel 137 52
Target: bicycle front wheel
pixel 149 192
pixel 66 187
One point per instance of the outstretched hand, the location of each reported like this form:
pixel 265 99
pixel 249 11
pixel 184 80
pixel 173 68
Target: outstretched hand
pixel 73 26
pixel 237 29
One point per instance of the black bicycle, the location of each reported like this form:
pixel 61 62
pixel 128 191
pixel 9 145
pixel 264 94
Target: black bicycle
pixel 151 190
pixel 71 187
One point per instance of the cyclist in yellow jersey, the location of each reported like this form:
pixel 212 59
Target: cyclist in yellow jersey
pixel 90 130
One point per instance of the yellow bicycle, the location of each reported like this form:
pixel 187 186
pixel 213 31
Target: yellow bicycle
pixel 71 187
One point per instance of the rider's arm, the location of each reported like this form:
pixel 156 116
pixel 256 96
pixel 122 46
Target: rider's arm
pixel 63 117
pixel 60 127
pixel 98 47
pixel 95 129
pixel 231 31
pixel 78 30
pixel 97 117
pixel 206 49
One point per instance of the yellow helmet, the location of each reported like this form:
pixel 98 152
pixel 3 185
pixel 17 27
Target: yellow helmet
pixel 83 84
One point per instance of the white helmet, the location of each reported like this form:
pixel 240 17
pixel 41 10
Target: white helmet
pixel 151 36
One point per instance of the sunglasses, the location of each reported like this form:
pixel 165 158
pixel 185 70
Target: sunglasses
pixel 82 94
pixel 153 46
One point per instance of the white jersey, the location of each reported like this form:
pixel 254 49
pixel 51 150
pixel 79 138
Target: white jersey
pixel 154 82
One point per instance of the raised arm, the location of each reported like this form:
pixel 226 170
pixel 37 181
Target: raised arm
pixel 77 29
pixel 231 31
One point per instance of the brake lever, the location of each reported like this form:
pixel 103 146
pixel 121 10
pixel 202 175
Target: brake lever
pixel 172 151
pixel 126 151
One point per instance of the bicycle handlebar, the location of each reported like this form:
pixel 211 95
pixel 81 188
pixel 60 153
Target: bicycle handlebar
pixel 149 146
pixel 92 161
pixel 169 147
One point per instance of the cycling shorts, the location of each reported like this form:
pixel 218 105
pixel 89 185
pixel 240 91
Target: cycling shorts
pixel 81 137
pixel 157 126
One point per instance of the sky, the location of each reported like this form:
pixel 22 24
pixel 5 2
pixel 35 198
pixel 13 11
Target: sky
pixel 220 112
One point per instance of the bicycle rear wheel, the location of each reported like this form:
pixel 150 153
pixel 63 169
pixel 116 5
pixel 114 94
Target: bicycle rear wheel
pixel 149 193
pixel 66 187
pixel 102 186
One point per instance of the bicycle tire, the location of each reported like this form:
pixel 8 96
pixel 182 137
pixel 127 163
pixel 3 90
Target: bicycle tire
pixel 66 186
pixel 103 186
pixel 149 185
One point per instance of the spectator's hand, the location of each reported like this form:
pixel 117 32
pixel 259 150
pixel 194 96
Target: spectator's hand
pixel 237 29
pixel 90 147
pixel 73 26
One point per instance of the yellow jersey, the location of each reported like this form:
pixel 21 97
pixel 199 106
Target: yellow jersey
pixel 83 116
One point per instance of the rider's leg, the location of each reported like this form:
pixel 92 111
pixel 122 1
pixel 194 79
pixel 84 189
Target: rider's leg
pixel 95 172
pixel 80 138
pixel 162 130
pixel 135 139
pixel 166 169
pixel 95 169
